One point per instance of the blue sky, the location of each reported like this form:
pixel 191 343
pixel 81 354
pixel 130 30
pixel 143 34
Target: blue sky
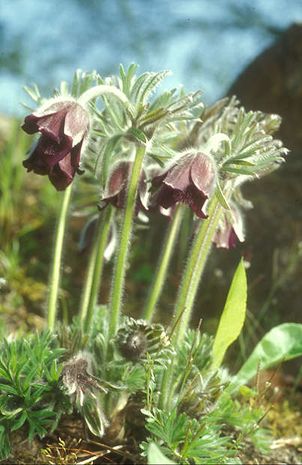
pixel 197 39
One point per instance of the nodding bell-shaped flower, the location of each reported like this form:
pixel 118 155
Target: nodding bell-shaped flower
pixel 230 229
pixel 116 189
pixel 64 126
pixel 190 180
pixel 87 236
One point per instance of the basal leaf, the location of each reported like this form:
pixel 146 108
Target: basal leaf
pixel 281 343
pixel 156 457
pixel 232 317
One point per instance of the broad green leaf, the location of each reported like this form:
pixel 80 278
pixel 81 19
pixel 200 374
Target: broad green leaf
pixel 232 317
pixel 156 457
pixel 94 416
pixel 281 343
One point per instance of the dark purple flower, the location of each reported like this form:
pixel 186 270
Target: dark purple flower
pixel 116 189
pixel 64 127
pixel 190 180
pixel 230 229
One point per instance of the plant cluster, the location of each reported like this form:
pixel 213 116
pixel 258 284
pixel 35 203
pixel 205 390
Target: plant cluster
pixel 29 381
pixel 141 153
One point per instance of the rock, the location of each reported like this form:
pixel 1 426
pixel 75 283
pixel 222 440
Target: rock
pixel 273 83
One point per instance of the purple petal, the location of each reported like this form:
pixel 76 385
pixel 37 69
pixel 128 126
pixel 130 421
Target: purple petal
pixel 36 164
pixel 167 196
pixel 66 166
pixel 51 152
pixel 62 174
pixel 30 124
pixel 50 125
pixel 158 179
pixel 64 171
pixel 118 178
pixel 76 155
pixel 203 174
pixel 76 123
pixel 222 236
pixel 178 176
pixel 233 239
pixel 196 201
pixel 231 229
pixel 115 192
pixel 225 237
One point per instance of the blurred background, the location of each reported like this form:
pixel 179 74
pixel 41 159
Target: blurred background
pixel 205 43
pixel 252 49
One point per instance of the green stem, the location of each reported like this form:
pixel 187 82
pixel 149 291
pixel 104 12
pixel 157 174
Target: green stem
pixel 195 267
pixel 95 269
pixel 160 275
pixel 189 286
pixel 55 273
pixel 165 385
pixel 125 237
pixel 184 235
pixel 98 91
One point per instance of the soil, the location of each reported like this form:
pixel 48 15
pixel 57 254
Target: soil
pixel 71 444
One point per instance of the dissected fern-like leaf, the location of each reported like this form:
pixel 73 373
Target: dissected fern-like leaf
pixel 146 84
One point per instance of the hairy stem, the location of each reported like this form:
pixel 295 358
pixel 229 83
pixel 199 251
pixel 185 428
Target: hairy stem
pixel 55 273
pixel 195 267
pixel 189 286
pixel 161 274
pixel 125 237
pixel 100 90
pixel 95 268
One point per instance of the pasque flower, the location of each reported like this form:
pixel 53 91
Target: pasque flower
pixel 230 229
pixel 190 180
pixel 63 125
pixel 116 189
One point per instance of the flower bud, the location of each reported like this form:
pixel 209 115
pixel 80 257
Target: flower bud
pixel 230 229
pixel 137 337
pixel 116 189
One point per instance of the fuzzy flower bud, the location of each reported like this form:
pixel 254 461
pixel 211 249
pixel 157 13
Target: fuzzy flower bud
pixel 64 126
pixel 137 337
pixel 190 180
pixel 116 189
pixel 230 229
